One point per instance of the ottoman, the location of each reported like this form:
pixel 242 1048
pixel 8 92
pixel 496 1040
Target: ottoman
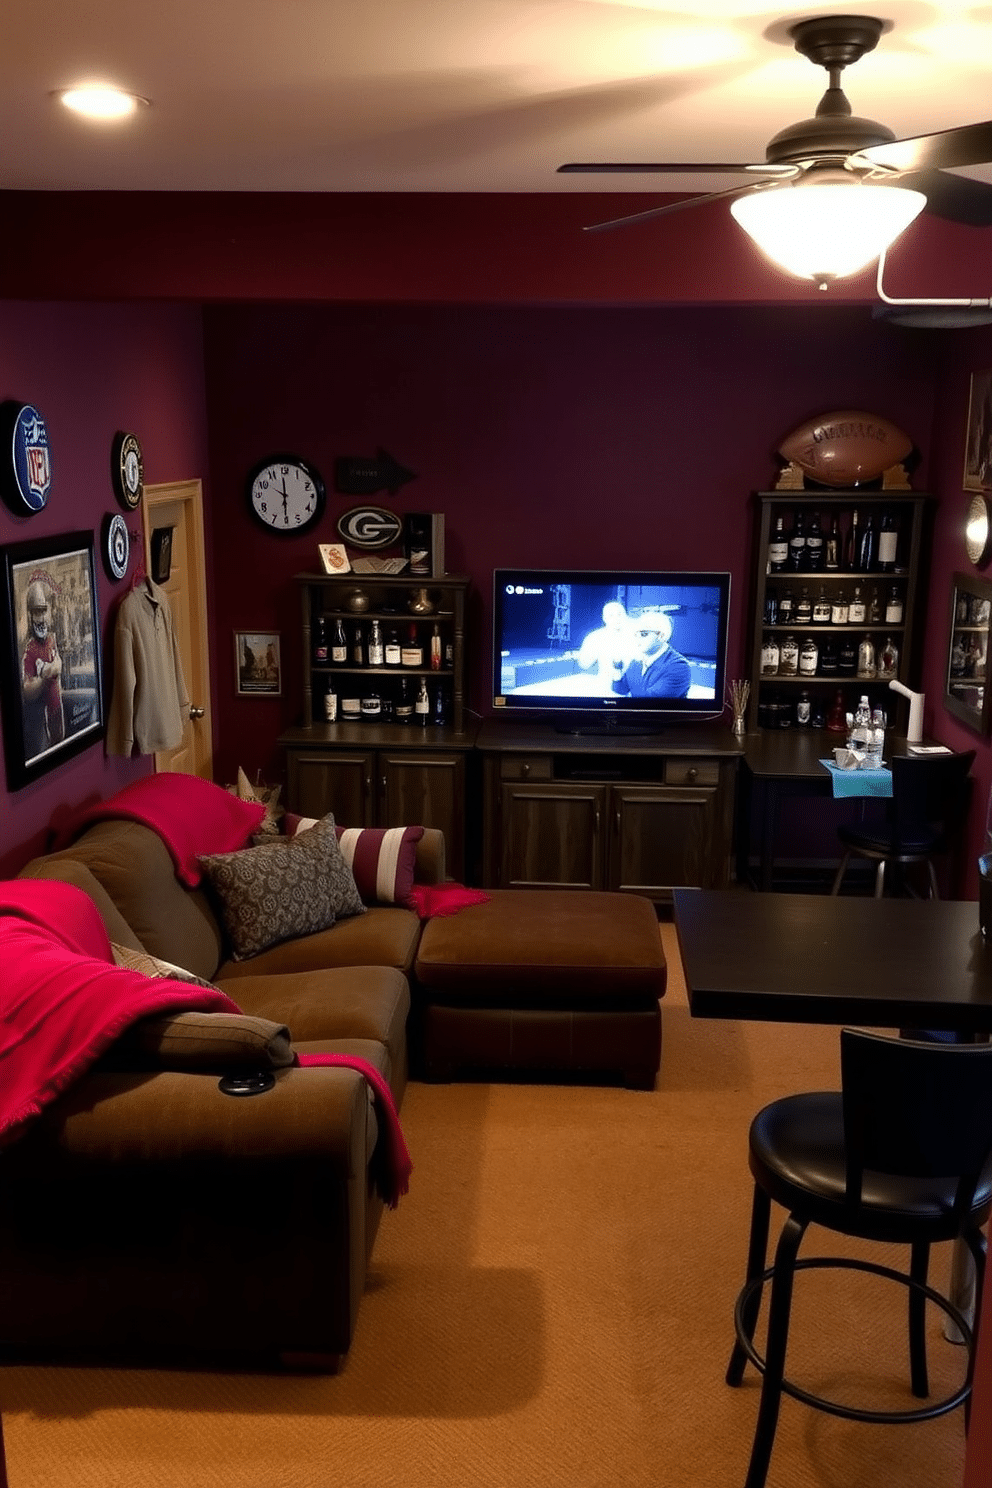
pixel 542 979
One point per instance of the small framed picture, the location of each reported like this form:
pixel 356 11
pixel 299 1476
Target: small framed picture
pixel 257 663
pixel 161 552
pixel 978 448
pixel 53 688
pixel 334 558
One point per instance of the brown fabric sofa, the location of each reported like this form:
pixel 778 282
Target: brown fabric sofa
pixel 148 1214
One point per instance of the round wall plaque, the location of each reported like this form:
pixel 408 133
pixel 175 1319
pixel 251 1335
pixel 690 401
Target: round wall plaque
pixel 370 527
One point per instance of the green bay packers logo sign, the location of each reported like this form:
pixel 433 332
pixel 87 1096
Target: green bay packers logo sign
pixel 369 527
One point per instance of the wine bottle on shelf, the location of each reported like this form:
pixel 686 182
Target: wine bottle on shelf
pixel 436 650
pixel 797 543
pixel 404 703
pixel 778 547
pixel 893 607
pixel 847 657
pixel 804 608
pixel 839 609
pixel 376 652
pixel 868 556
pixel 392 651
pixel 852 545
pixel 888 543
pixel 804 708
pixel 320 641
pixel 821 608
pixel 358 646
pixel 769 656
pixel 788 657
pixel 339 643
pixel 856 610
pixel 809 657
pixel 440 707
pixel 785 608
pixel 422 706
pixel 412 653
pixel 832 547
pixel 814 544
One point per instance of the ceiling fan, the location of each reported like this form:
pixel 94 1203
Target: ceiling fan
pixel 837 150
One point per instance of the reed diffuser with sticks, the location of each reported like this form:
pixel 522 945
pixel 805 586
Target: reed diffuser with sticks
pixel 739 690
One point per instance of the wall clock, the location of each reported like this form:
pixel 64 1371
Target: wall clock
pixel 26 473
pixel 285 494
pixel 127 471
pixel 978 529
pixel 116 545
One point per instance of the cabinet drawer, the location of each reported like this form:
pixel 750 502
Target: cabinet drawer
pixel 692 772
pixel 525 767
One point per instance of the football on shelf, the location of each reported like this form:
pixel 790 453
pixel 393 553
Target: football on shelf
pixel 847 448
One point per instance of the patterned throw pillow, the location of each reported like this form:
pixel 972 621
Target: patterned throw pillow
pixel 292 886
pixel 154 966
pixel 383 860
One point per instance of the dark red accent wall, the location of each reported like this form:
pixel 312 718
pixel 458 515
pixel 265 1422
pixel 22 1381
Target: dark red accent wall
pixel 90 370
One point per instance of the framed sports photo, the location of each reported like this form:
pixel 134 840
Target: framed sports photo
pixel 257 663
pixel 53 698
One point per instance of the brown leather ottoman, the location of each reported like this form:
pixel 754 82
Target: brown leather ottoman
pixel 547 980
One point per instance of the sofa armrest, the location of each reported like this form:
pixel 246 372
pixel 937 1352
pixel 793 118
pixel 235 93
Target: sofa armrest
pixel 429 863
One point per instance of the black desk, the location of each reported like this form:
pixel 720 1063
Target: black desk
pixel 778 763
pixel 811 958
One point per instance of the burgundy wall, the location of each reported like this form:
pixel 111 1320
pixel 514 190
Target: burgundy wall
pixel 91 370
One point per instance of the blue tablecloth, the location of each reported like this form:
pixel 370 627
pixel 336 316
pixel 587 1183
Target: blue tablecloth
pixel 859 782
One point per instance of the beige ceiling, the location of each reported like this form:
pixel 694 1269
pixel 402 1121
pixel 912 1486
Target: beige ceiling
pixel 449 95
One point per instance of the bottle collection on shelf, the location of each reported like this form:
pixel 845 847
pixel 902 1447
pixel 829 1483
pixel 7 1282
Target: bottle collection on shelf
pixel 378 651
pixel 808 711
pixel 806 547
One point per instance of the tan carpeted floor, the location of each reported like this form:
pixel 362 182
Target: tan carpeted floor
pixel 550 1305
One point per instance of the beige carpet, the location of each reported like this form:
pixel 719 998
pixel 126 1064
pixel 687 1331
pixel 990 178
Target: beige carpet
pixel 550 1305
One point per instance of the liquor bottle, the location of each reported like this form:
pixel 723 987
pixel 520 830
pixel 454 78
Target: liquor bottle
pixel 874 610
pixel 376 654
pixel 809 657
pixel 847 657
pixel 785 608
pixel 804 708
pixel 888 543
pixel 839 608
pixel 837 718
pixel 422 706
pixel 778 547
pixel 788 657
pixel 320 641
pixel 866 657
pixel 436 650
pixel 804 608
pixel 339 642
pixel 769 657
pixel 412 654
pixel 440 707
pixel 404 705
pixel 856 610
pixel 852 546
pixel 797 543
pixel 358 646
pixel 371 706
pixel 868 552
pixel 814 544
pixel 828 658
pixel 449 653
pixel 832 548
pixel 392 651
pixel 888 662
pixel 893 607
pixel 821 608
pixel 771 608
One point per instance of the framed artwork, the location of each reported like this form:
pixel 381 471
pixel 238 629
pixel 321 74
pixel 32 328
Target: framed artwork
pixel 257 663
pixel 978 446
pixel 965 692
pixel 53 697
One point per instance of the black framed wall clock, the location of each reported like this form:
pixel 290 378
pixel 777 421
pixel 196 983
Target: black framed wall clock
pixel 116 545
pixel 286 494
pixel 127 469
pixel 26 468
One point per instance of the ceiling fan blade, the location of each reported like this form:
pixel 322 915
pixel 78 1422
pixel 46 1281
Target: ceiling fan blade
pixel 969 145
pixel 632 168
pixel 955 198
pixel 679 206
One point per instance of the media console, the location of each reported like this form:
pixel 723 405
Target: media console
pixel 640 813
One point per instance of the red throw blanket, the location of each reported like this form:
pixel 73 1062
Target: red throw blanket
pixel 63 1002
pixel 192 816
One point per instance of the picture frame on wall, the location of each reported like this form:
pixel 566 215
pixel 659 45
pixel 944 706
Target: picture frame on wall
pixel 257 663
pixel 53 697
pixel 978 444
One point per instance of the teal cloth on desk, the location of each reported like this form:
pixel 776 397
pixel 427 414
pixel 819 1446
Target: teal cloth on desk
pixel 859 782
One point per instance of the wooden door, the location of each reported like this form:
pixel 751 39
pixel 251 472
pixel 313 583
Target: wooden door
pixel 426 790
pixel 551 836
pixel 662 837
pixel 320 782
pixel 179 505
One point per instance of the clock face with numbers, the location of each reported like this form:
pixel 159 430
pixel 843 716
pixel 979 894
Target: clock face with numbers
pixel 285 494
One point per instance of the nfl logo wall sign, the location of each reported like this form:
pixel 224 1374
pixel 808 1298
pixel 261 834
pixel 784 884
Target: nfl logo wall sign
pixel 26 473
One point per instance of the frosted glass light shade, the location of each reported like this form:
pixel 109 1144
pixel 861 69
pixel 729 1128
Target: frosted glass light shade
pixel 825 232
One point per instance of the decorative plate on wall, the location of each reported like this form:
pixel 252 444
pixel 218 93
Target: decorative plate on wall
pixel 116 545
pixel 26 473
pixel 127 471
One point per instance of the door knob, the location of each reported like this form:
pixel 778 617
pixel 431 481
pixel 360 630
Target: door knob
pixel 197 712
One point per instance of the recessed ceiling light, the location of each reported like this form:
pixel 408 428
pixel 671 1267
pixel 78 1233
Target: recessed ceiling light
pixel 99 101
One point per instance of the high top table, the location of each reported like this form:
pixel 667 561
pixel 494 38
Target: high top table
pixel 811 958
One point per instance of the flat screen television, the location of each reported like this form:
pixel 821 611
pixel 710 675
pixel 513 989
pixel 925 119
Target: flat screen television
pixel 595 651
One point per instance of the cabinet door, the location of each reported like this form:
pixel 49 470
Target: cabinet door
pixel 663 837
pixel 342 783
pixel 426 790
pixel 551 836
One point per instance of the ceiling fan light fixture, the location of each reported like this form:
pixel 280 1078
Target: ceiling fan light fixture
pixel 826 231
pixel 100 101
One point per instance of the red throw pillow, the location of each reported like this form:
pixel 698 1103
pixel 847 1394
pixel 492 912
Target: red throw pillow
pixel 382 860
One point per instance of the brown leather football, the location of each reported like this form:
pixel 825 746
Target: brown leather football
pixel 845 448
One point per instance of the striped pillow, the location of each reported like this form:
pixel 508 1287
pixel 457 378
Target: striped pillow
pixel 382 860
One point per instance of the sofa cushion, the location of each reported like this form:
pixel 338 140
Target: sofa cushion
pixel 380 937
pixel 64 868
pixel 382 859
pixel 154 966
